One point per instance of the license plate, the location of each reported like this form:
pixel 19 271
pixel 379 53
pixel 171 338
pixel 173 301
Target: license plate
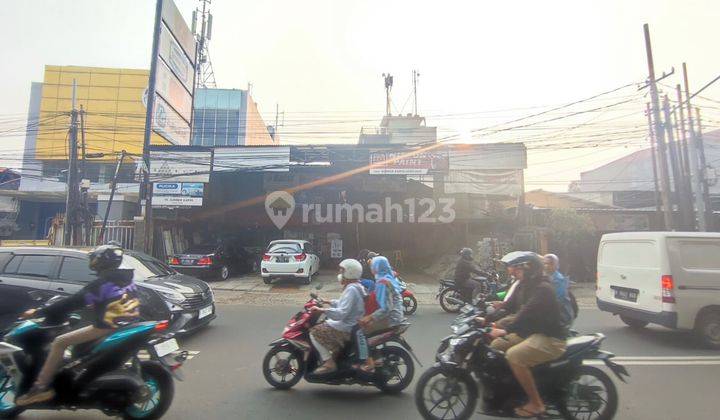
pixel 282 259
pixel 205 312
pixel 625 294
pixel 166 347
pixel 186 262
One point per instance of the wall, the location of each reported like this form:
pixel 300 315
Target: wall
pixel 114 111
pixel 219 117
pixel 256 132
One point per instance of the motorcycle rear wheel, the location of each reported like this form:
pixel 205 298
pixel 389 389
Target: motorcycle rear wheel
pixel 291 365
pixel 583 400
pixel 391 378
pixel 444 389
pixel 410 305
pixel 448 306
pixel 162 390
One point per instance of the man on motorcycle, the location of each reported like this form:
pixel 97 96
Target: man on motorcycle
pixel 464 270
pixel 562 284
pixel 342 315
pixel 536 334
pixel 113 300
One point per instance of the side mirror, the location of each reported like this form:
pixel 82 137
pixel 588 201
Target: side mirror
pixel 53 300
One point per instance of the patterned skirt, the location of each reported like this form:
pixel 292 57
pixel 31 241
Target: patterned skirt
pixel 330 338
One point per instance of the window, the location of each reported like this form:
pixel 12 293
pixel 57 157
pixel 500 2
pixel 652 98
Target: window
pixel 145 266
pixel 700 255
pixel 630 254
pixel 35 265
pixel 12 266
pixel 285 247
pixel 76 270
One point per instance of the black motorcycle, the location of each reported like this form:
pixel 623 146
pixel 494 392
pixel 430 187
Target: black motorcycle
pixel 107 374
pixel 453 297
pixel 468 369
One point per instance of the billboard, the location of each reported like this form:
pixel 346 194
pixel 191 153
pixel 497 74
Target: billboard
pixel 402 163
pixel 178 194
pixel 173 92
pixel 180 166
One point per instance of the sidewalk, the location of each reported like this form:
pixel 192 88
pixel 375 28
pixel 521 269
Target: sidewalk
pixel 250 289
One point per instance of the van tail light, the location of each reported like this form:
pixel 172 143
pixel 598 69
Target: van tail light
pixel 173 261
pixel 266 257
pixel 162 326
pixel 668 296
pixel 301 257
pixel 205 261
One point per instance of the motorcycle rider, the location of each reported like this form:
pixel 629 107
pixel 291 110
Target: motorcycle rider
pixel 112 296
pixel 562 284
pixel 464 270
pixel 367 279
pixel 536 334
pixel 342 315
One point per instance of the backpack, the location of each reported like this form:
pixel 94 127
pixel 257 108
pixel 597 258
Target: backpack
pixel 371 303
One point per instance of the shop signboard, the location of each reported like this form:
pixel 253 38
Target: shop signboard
pixel 170 124
pixel 180 166
pixel 174 93
pixel 406 162
pixel 336 248
pixel 178 194
pixel 176 201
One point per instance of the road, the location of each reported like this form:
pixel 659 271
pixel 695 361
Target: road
pixel 675 380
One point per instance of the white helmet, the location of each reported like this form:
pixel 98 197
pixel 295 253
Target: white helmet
pixel 352 269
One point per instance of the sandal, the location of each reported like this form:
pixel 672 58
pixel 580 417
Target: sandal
pixel 324 370
pixel 524 413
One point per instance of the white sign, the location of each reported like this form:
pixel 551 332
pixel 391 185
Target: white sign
pixel 170 124
pixel 171 53
pixel 167 188
pixel 179 166
pixel 336 248
pixel 174 93
pixel 176 201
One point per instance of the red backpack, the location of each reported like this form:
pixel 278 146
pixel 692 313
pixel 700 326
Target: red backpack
pixel 371 303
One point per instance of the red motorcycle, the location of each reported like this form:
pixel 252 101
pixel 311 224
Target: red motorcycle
pixel 293 357
pixel 410 304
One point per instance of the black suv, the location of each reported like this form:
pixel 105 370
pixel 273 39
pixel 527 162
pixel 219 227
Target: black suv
pixel 164 293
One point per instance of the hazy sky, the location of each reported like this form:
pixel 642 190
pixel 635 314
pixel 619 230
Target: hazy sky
pixel 481 62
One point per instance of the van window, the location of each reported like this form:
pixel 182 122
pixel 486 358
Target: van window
pixel 629 254
pixel 700 255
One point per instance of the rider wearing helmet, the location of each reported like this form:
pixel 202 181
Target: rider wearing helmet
pixel 342 316
pixel 112 296
pixel 464 270
pixel 536 334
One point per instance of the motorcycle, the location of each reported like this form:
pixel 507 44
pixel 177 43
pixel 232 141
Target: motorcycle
pixel 467 368
pixel 106 374
pixel 452 297
pixel 293 357
pixel 410 303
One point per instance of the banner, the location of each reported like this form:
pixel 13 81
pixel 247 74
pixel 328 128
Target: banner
pixel 173 92
pixel 179 166
pixel 397 163
pixel 170 124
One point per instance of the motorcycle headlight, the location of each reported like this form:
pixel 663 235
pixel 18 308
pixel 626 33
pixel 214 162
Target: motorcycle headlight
pixel 173 297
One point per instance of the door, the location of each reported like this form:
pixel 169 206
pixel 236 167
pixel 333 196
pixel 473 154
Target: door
pixel 695 264
pixel 629 274
pixel 22 274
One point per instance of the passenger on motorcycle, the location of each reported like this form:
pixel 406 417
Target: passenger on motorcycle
pixel 343 314
pixel 112 296
pixel 562 284
pixel 536 334
pixel 464 270
pixel 367 279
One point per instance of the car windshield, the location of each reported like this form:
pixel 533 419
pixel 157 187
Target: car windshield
pixel 285 248
pixel 145 266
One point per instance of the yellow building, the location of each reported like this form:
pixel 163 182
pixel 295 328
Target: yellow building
pixel 114 111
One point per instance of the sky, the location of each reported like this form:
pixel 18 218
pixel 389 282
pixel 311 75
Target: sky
pixel 482 64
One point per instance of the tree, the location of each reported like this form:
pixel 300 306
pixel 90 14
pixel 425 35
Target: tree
pixel 573 237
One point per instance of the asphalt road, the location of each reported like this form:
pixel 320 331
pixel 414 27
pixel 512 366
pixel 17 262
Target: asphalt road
pixel 672 378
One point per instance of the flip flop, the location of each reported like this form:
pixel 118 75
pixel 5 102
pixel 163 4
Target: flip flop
pixel 527 414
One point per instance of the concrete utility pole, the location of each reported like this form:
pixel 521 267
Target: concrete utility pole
pixel 653 149
pixel 698 174
pixel 659 134
pixel 71 200
pixel 388 88
pixel 416 74
pixel 687 174
pixel 113 188
pixel 675 165
pixel 703 172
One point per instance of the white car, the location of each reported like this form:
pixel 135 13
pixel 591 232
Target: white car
pixel 289 258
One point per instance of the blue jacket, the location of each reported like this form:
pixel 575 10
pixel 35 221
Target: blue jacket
pixel 562 284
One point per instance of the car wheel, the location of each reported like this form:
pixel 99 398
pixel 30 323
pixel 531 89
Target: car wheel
pixel 308 279
pixel 633 323
pixel 708 329
pixel 224 272
pixel 267 280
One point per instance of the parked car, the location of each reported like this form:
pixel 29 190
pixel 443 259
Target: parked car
pixel 214 261
pixel 666 278
pixel 289 258
pixel 188 303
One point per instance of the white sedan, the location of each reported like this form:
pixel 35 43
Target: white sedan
pixel 289 258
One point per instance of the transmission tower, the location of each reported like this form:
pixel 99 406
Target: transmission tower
pixel 205 76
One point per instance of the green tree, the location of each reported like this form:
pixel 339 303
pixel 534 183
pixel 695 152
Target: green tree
pixel 574 239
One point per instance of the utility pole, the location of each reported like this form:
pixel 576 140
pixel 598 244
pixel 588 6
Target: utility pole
pixel 658 201
pixel 113 187
pixel 698 174
pixel 416 74
pixel 388 88
pixel 71 201
pixel 659 134
pixel 674 164
pixel 687 174
pixel 703 172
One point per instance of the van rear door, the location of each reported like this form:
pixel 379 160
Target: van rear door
pixel 695 264
pixel 629 274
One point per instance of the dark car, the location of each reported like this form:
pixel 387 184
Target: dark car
pixel 188 303
pixel 214 261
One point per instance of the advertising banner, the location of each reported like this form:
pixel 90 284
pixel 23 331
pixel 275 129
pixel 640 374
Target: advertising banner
pixel 180 166
pixel 176 201
pixel 170 124
pixel 172 17
pixel 173 91
pixel 167 188
pixel 396 163
pixel 173 55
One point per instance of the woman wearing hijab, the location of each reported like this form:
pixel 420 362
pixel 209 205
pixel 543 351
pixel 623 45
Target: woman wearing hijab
pixel 388 294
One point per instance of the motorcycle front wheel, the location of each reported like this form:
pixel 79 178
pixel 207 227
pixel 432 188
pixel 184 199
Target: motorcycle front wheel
pixel 161 390
pixel 283 367
pixel 451 307
pixel 396 370
pixel 443 394
pixel 590 395
pixel 410 304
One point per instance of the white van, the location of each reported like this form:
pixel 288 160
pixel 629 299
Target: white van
pixel 666 278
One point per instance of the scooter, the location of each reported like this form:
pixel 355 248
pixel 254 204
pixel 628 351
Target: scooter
pixel 467 368
pixel 293 357
pixel 410 303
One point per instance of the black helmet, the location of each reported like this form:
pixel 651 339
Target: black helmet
pixel 466 252
pixel 531 262
pixel 105 257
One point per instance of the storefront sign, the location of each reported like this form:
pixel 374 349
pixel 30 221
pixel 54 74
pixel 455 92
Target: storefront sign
pixel 167 188
pixel 336 248
pixel 408 163
pixel 176 201
pixel 180 166
pixel 176 60
pixel 173 91
pixel 170 124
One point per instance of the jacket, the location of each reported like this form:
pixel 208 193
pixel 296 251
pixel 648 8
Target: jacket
pixel 344 313
pixel 464 269
pixel 112 296
pixel 537 310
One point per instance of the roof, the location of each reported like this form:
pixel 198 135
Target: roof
pixel 573 202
